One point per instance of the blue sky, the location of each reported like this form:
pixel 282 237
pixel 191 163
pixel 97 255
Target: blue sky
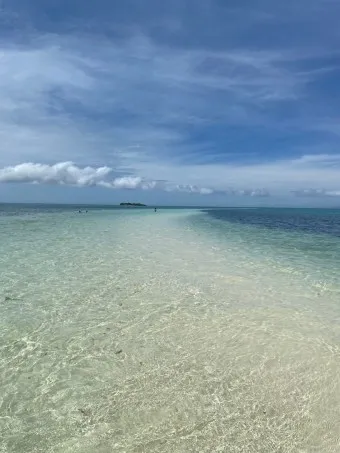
pixel 212 102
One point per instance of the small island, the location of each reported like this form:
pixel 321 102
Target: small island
pixel 133 205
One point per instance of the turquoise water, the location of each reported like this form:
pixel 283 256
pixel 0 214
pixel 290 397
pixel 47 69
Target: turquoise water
pixel 177 331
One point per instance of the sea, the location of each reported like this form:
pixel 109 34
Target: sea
pixel 181 330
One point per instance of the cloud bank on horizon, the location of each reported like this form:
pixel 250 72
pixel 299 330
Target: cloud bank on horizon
pixel 219 101
pixel 67 173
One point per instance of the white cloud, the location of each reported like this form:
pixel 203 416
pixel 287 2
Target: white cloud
pixel 206 191
pixel 66 98
pixel 130 182
pixel 129 107
pixel 255 193
pixel 188 188
pixel 67 173
pixel 279 177
pixel 127 182
pixel 318 159
pixel 316 193
pixel 282 177
pixel 61 173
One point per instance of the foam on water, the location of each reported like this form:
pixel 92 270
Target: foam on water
pixel 141 332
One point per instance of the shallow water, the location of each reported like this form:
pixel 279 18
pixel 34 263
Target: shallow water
pixel 181 331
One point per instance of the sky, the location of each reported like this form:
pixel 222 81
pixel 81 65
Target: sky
pixel 210 102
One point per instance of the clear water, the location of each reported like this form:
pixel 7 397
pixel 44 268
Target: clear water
pixel 176 331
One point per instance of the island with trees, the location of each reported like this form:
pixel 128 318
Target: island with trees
pixel 133 205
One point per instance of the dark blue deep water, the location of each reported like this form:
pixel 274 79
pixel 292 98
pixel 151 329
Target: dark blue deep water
pixel 323 221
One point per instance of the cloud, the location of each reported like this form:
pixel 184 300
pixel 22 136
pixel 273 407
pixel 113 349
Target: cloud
pixel 278 177
pixel 66 97
pixel 281 177
pixel 316 193
pixel 62 173
pixel 324 160
pixel 125 182
pixel 67 173
pixel 130 182
pixel 245 109
pixel 188 188
pixel 255 193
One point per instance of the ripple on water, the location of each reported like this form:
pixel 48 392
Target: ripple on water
pixel 141 336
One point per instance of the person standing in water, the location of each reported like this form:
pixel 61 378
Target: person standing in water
pixel 155 209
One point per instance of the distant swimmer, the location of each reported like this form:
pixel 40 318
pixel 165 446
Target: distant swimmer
pixel 155 209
